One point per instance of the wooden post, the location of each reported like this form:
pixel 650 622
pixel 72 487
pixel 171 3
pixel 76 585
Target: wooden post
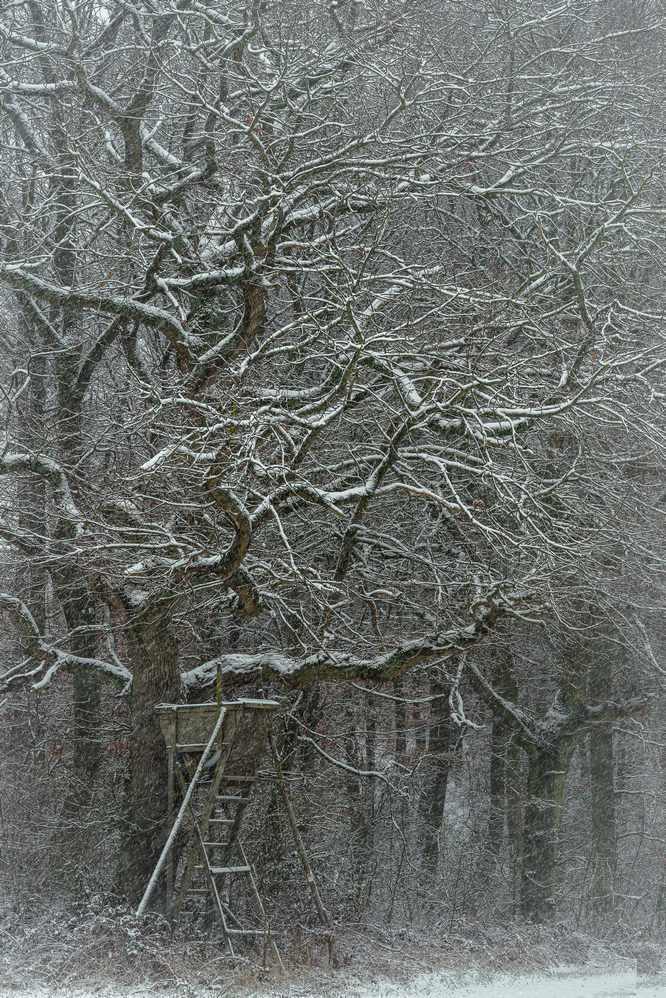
pixel 170 805
pixel 219 701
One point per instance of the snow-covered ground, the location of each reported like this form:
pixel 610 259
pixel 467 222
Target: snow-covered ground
pixel 557 984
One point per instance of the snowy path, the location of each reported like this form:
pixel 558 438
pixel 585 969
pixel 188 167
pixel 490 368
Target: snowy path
pixel 560 984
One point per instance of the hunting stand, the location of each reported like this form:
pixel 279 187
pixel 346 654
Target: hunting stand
pixel 214 751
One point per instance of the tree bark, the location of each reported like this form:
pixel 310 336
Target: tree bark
pixel 602 814
pixel 370 765
pixel 312 713
pixel 514 794
pixel 400 717
pixel 87 742
pixel 441 746
pixel 78 605
pixel 602 803
pixel 548 766
pixel 497 785
pixel 154 656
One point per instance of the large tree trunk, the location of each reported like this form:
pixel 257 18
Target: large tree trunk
pixel 78 603
pixel 156 679
pixel 86 707
pixel 548 765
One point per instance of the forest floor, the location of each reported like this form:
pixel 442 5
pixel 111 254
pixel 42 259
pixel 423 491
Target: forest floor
pixel 111 955
pixel 560 983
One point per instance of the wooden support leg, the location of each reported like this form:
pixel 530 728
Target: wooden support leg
pixel 259 904
pixel 169 869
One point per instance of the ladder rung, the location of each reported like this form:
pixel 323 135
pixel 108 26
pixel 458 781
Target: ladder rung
pixel 233 800
pixel 220 821
pixel 216 845
pixel 197 890
pixel 194 747
pixel 246 932
pixel 226 869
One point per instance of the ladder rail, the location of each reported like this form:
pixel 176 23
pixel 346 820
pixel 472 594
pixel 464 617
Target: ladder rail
pixel 212 886
pixel 202 828
pixel 206 814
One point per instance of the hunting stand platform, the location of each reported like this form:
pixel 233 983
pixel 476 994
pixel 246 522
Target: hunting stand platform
pixel 214 752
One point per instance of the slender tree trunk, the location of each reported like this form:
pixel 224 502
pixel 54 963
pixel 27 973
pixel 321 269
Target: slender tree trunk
pixel 514 794
pixel 286 744
pixel 441 744
pixel 506 779
pixel 498 767
pixel 359 825
pixel 420 731
pixel 364 816
pixel 370 765
pixel 312 714
pixel 602 809
pixel 602 814
pixel 400 717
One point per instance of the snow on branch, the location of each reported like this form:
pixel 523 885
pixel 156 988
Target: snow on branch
pixel 296 673
pixel 46 659
pixel 149 315
pixel 48 468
